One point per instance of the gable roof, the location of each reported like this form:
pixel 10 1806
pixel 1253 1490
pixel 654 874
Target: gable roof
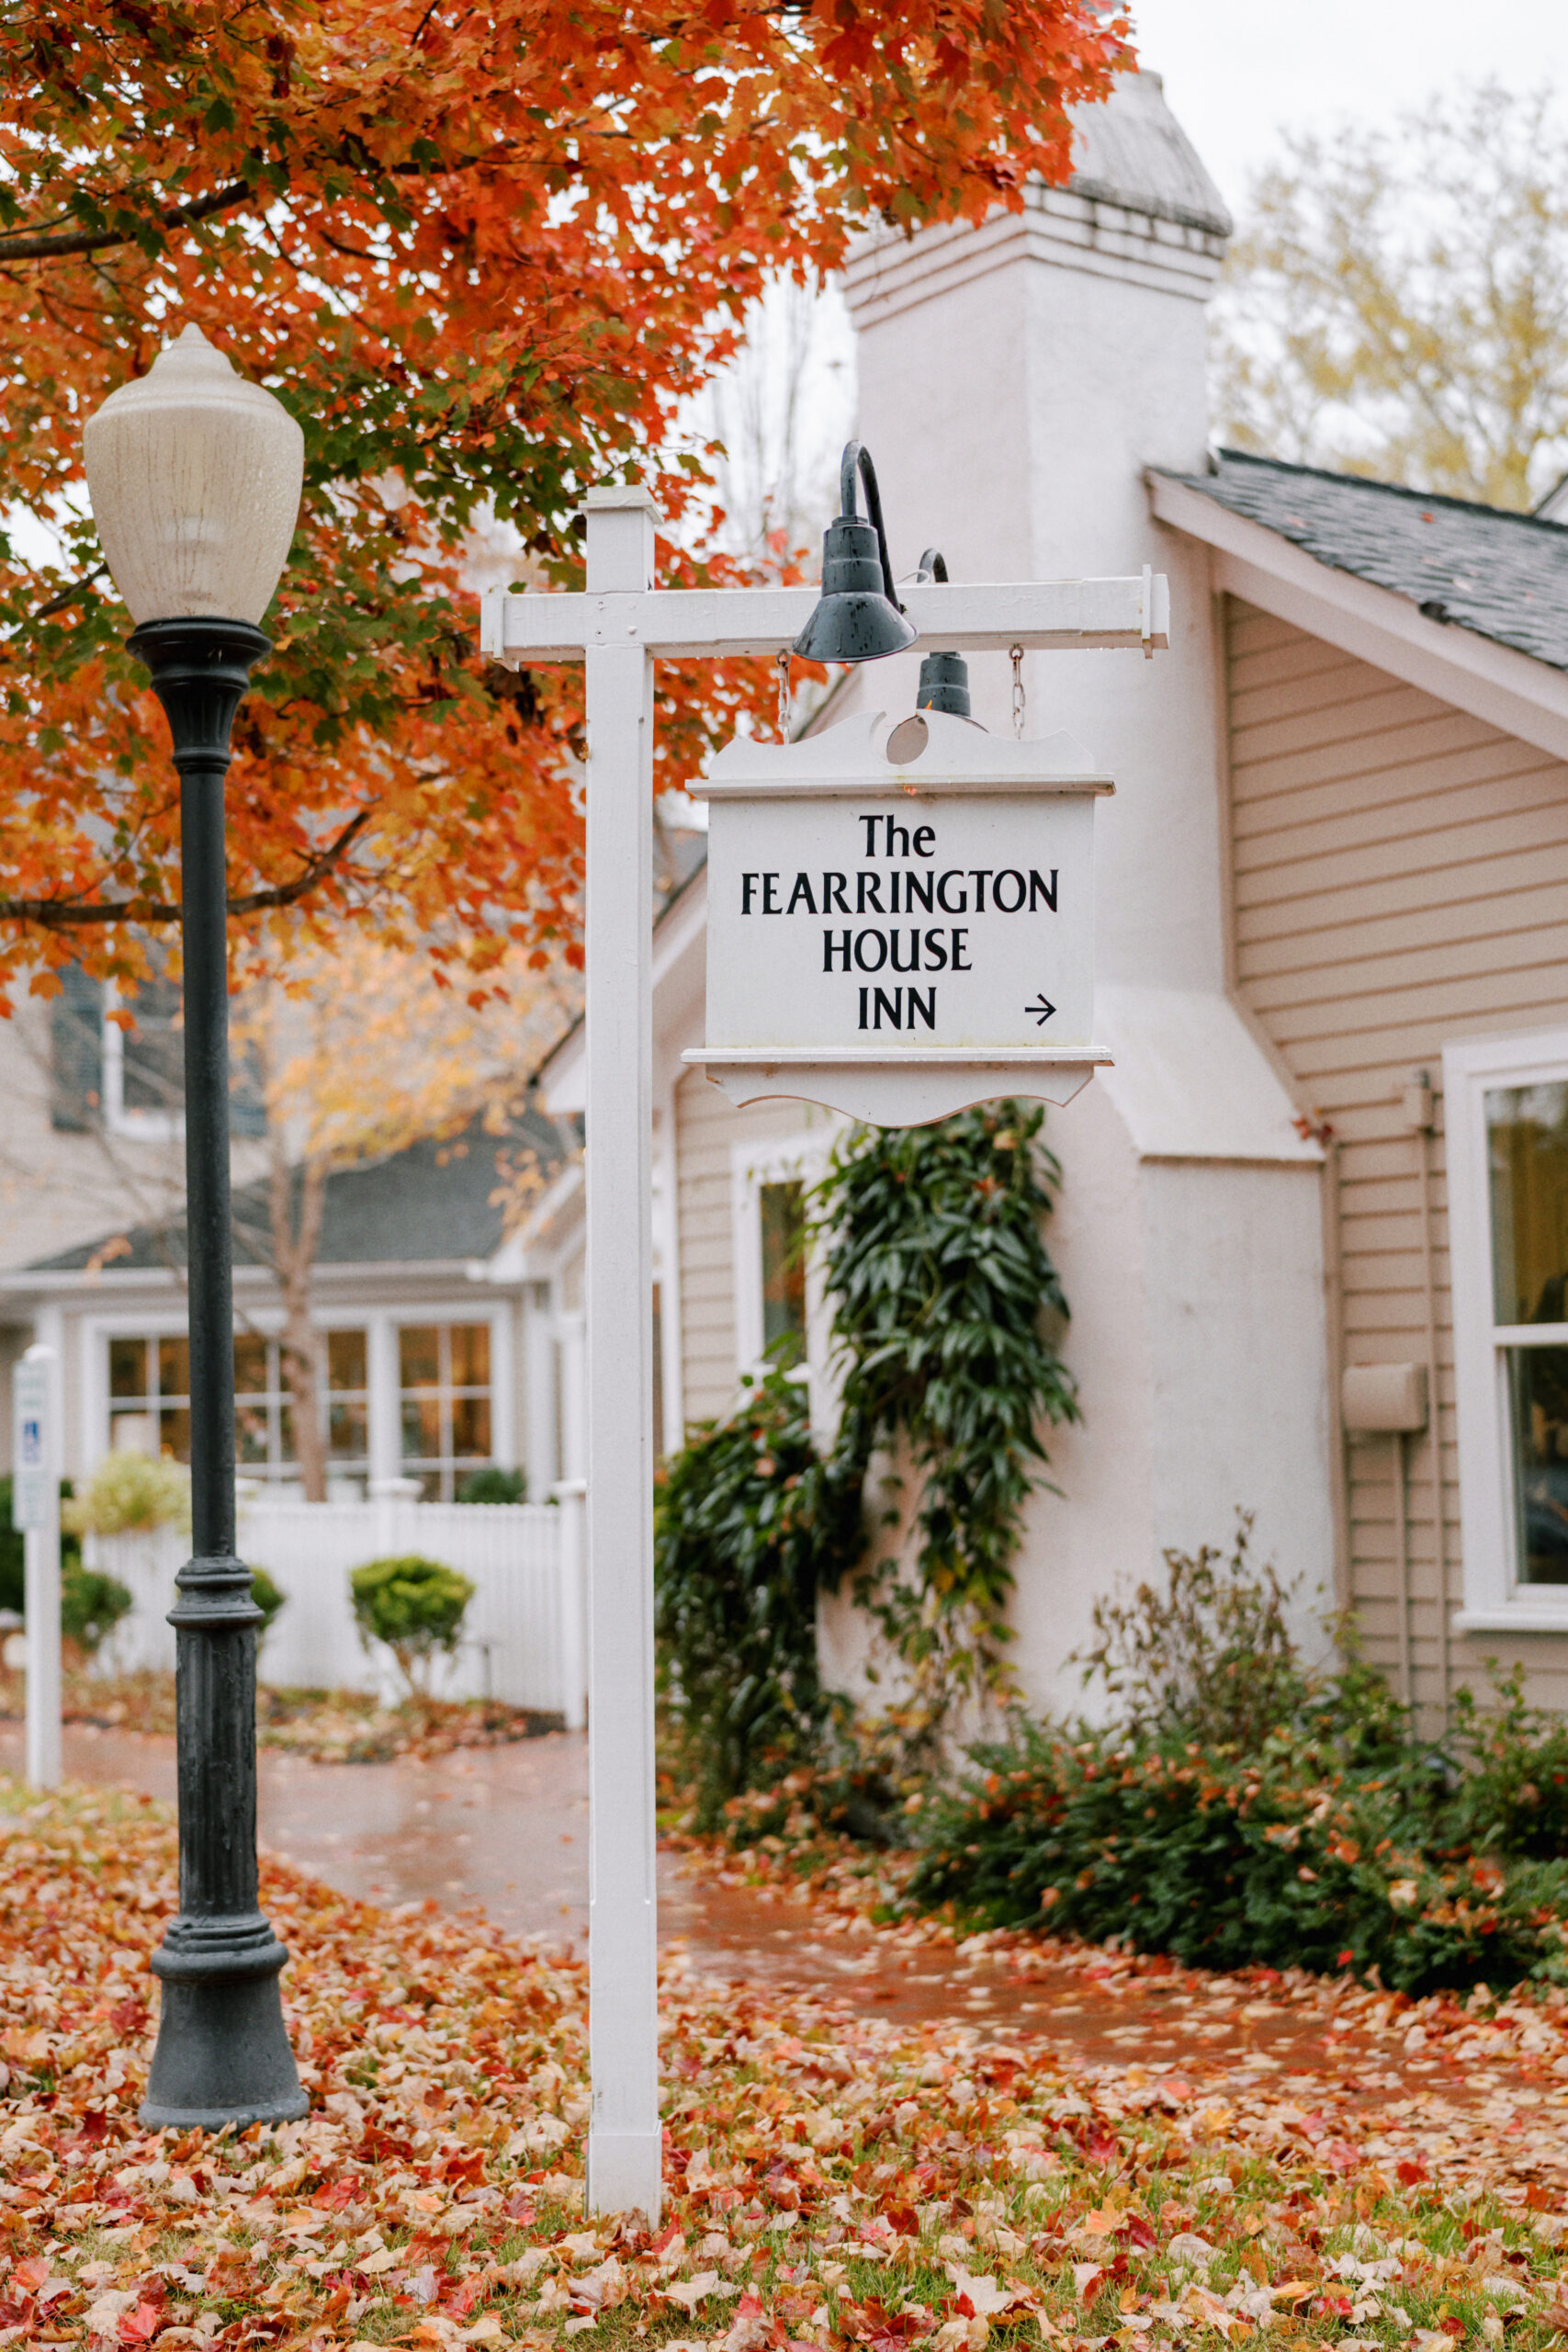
pixel 1500 574
pixel 433 1203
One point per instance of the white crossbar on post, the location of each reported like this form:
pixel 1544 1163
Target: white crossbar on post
pixel 1042 616
pixel 625 2169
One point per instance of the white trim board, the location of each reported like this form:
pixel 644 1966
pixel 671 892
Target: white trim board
pixel 1491 682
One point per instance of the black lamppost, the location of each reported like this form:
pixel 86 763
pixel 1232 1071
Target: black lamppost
pixel 195 477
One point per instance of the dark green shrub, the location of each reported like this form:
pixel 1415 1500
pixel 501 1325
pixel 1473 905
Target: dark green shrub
pixel 1229 1864
pixel 1510 1773
pixel 749 1521
pixel 13 1554
pixel 493 1486
pixel 268 1599
pixel 91 1605
pixel 13 1549
pixel 416 1606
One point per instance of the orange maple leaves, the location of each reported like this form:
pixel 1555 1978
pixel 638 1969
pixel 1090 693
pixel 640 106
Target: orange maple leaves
pixel 482 255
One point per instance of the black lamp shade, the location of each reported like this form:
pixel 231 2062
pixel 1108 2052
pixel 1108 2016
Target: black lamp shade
pixel 856 617
pixel 945 685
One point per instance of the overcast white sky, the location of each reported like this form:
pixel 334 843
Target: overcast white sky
pixel 1238 71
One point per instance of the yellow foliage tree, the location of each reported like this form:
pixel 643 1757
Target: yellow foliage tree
pixel 1396 304
pixel 364 1052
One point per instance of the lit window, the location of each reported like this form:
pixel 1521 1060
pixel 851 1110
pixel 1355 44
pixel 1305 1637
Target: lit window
pixel 443 1383
pixel 150 1402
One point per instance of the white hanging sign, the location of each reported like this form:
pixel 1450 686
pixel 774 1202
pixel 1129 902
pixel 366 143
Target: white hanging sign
pixel 901 919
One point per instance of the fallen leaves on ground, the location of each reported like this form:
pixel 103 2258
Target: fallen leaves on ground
pixel 833 2180
pixel 327 1726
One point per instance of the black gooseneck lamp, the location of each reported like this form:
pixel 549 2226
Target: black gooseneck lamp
pixel 195 477
pixel 858 616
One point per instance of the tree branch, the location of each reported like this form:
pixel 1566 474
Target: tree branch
pixel 69 594
pixel 16 245
pixel 63 914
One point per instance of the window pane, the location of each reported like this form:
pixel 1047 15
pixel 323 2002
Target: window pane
pixel 250 1365
pixel 76 1053
pixel 132 1433
pixel 1537 1388
pixel 784 1269
pixel 174 1367
pixel 418 1357
pixel 128 1367
pixel 422 1429
pixel 174 1434
pixel 346 1438
pixel 155 1049
pixel 470 1425
pixel 1526 1135
pixel 346 1360
pixel 470 1355
pixel 250 1432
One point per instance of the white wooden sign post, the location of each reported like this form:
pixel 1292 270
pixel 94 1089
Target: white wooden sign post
pixel 618 628
pixel 35 1510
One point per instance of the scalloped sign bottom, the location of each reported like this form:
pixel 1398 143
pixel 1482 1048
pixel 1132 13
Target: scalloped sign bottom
pixel 908 1092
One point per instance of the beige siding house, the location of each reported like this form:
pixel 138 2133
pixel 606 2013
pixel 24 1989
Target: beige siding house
pixel 1314 1220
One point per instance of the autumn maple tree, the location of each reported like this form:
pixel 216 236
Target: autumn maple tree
pixel 481 254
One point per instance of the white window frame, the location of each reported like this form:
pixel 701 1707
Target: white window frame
pixel 1495 1599
pixel 780 1161
pixel 147 1127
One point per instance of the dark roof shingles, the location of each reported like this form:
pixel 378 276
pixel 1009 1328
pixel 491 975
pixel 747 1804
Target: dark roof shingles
pixel 1481 568
pixel 433 1201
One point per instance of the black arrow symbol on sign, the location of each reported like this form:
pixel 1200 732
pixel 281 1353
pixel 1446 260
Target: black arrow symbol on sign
pixel 1042 1009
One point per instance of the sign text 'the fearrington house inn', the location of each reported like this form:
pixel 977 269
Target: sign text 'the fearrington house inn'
pixel 908 890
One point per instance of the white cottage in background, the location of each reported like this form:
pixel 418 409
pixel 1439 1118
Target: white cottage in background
pixel 1332 961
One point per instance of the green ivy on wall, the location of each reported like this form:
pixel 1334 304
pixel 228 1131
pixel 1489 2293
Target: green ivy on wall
pixel 934 1258
pixel 936 1262
pixel 749 1521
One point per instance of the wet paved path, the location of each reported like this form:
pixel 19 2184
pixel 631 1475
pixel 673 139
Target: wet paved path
pixel 506 1828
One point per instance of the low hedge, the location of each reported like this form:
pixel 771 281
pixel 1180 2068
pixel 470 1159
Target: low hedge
pixel 1225 1863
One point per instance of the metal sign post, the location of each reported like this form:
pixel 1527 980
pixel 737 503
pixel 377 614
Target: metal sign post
pixel 618 628
pixel 35 1510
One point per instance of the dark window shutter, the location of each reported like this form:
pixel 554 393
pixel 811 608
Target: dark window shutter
pixel 76 1054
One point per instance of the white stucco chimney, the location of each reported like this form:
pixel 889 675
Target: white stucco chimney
pixel 1016 380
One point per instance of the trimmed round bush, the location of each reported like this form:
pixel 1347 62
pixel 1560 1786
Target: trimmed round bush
pixel 415 1606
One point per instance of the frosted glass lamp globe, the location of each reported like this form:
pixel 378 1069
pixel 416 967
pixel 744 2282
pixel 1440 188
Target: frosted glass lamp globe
pixel 195 477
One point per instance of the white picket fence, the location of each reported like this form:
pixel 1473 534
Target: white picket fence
pixel 521 1638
